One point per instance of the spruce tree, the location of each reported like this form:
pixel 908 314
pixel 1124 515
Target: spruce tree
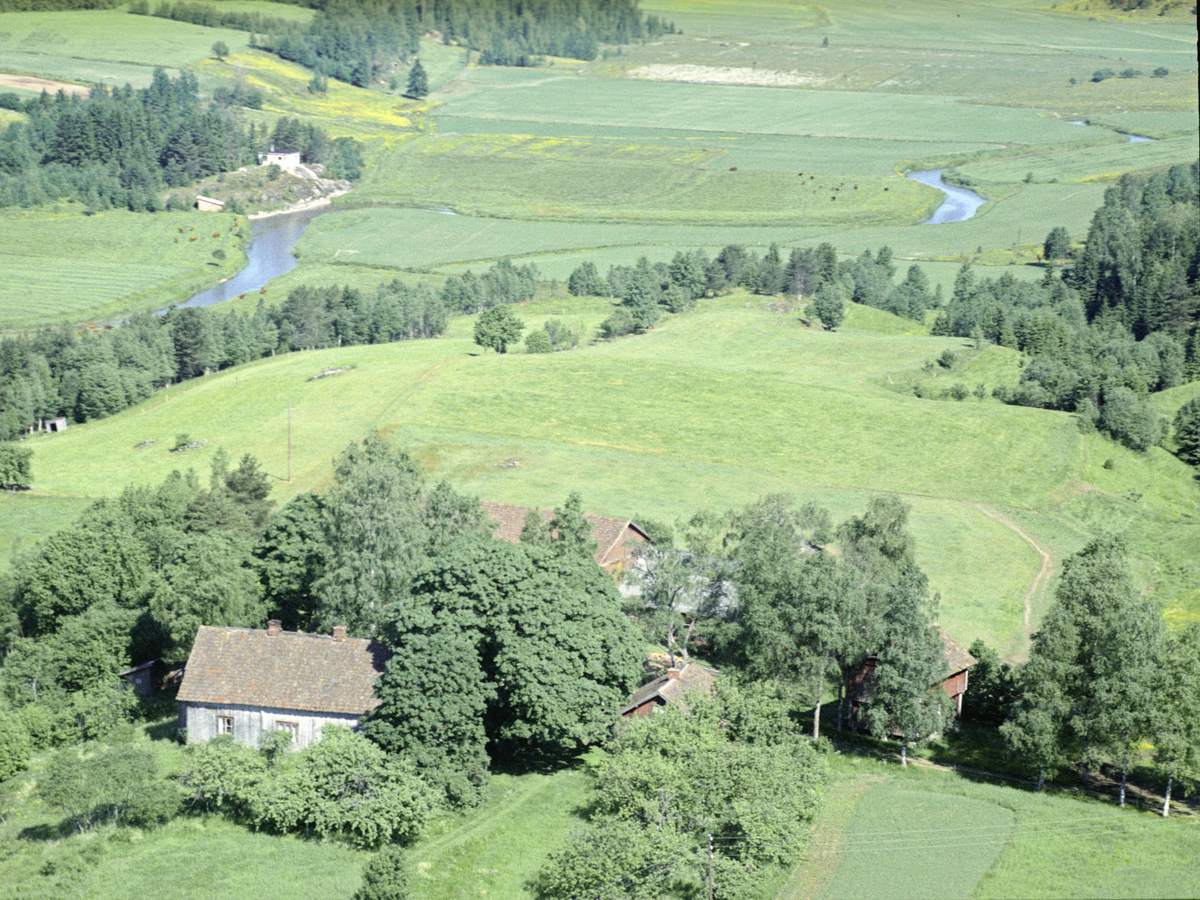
pixel 418 82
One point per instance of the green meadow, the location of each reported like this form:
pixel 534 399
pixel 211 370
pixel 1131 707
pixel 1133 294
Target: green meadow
pixel 58 266
pixel 712 409
pixel 104 46
pixel 921 833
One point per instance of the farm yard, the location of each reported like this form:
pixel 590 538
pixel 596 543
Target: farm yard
pixel 758 123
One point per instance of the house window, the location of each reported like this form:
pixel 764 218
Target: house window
pixel 292 728
pixel 224 724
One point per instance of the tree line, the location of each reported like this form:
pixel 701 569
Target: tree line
pixel 95 373
pixel 122 147
pixel 517 33
pixel 647 289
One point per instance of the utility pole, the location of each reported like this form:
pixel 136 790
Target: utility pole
pixel 289 463
pixel 710 864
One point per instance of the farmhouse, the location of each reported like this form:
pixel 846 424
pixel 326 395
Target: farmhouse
pixel 247 682
pixel 616 539
pixel 208 204
pixel 958 661
pixel 673 687
pixel 285 161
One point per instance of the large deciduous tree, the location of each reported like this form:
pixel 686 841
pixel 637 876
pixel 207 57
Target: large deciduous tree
pixel 1177 710
pixel 377 535
pixel 1089 684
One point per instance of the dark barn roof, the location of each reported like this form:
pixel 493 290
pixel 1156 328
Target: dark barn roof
pixel 673 688
pixel 608 533
pixel 957 658
pixel 287 670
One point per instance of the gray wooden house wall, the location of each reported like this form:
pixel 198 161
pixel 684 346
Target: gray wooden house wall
pixel 250 722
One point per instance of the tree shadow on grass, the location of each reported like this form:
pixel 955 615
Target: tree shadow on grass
pixel 44 832
pixel 166 730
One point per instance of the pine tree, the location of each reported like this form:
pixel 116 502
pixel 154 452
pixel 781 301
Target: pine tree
pixel 418 82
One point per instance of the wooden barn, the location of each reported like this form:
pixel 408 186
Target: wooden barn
pixel 616 539
pixel 248 681
pixel 673 687
pixel 958 662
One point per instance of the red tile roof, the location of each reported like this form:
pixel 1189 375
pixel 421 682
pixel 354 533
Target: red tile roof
pixel 288 670
pixel 609 534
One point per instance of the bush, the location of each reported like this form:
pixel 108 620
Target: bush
pixel 1162 72
pixel 538 342
pixel 15 746
pixel 345 786
pixel 959 391
pixel 10 101
pixel 1130 420
pixel 221 775
pixel 385 877
pixel 947 359
pixel 619 324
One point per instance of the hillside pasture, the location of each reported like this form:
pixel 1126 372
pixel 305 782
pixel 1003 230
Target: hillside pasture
pixel 104 46
pixel 713 408
pixel 65 266
pixel 1012 54
pixel 343 110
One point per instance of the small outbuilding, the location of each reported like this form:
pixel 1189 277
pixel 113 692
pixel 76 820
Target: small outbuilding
pixel 247 682
pixel 672 687
pixel 55 425
pixel 954 683
pixel 144 678
pixel 616 539
pixel 209 204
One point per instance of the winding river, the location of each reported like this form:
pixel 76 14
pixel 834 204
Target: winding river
pixel 269 253
pixel 960 204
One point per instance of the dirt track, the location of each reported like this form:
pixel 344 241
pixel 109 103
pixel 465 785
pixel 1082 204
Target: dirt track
pixel 31 83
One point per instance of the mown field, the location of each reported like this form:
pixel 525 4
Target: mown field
pixel 60 267
pixel 105 46
pixel 921 833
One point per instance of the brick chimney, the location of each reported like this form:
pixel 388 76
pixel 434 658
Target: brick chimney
pixel 673 674
pixel 339 633
pixel 274 626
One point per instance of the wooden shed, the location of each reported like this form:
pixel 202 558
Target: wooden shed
pixel 616 539
pixel 247 682
pixel 209 204
pixel 958 662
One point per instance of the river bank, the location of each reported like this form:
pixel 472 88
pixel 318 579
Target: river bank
pixel 300 206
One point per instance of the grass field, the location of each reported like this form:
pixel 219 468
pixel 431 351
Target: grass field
pixel 712 409
pixel 58 266
pixel 104 46
pixel 919 833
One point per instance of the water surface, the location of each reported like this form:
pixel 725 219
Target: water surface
pixel 960 204
pixel 269 254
